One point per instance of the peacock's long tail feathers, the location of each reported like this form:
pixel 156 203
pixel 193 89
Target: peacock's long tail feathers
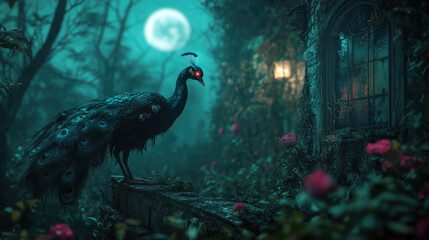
pixel 75 141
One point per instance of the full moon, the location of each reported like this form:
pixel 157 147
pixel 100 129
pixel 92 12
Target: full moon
pixel 167 30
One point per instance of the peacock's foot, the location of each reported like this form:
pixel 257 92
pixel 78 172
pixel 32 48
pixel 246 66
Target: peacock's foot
pixel 139 181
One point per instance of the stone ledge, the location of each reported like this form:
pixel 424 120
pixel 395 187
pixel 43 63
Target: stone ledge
pixel 154 205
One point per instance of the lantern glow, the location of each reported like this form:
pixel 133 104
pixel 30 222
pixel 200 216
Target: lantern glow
pixel 282 69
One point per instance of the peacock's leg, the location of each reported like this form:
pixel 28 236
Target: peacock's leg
pixel 118 159
pixel 131 179
pixel 125 155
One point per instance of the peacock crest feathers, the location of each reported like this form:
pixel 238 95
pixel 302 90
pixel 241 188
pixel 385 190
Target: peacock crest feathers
pixel 190 57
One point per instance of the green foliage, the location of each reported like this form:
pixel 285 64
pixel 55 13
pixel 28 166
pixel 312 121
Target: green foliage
pixel 263 107
pixel 103 228
pixel 306 125
pixel 292 166
pixel 113 226
pixel 33 217
pixel 249 183
pixel 8 86
pixel 14 40
pixel 386 206
pixel 411 21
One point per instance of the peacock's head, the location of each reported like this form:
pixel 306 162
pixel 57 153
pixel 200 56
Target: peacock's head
pixel 193 72
pixel 196 73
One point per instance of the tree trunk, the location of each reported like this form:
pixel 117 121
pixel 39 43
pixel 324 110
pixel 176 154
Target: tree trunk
pixel 9 108
pixel 14 102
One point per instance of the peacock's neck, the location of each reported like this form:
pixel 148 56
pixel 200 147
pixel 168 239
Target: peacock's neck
pixel 177 101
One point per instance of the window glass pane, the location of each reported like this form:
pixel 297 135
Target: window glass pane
pixel 342 114
pixel 359 113
pixel 359 79
pixel 342 46
pixel 341 84
pixel 381 77
pixel 371 73
pixel 381 111
pixel 381 42
pixel 360 49
pixel 361 66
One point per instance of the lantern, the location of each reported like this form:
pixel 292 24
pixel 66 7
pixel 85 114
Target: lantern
pixel 282 69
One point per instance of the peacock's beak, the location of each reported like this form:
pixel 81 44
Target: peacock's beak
pixel 202 82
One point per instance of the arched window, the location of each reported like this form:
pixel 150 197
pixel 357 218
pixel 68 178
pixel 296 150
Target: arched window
pixel 357 69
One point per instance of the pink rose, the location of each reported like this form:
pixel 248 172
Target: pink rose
pixel 288 140
pixel 235 128
pixel 382 147
pixel 213 165
pixel 59 232
pixel 318 184
pixel 220 131
pixel 408 161
pixel 239 206
pixel 386 165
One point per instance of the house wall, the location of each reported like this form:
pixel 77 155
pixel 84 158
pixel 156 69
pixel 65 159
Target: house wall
pixel 312 58
pixel 342 155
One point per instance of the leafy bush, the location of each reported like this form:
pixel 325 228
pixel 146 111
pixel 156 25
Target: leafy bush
pixel 390 205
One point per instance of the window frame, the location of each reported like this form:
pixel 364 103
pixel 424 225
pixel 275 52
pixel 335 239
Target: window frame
pixel 328 68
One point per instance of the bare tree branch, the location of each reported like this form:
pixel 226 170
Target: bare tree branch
pixel 163 67
pixel 68 78
pixel 74 5
pixel 112 60
pixel 101 34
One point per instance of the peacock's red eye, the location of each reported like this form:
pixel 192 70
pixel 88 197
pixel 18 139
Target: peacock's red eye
pixel 197 74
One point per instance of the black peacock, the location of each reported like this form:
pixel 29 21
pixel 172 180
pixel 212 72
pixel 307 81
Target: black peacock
pixel 77 140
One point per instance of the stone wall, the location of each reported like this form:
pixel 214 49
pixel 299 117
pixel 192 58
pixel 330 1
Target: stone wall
pixel 312 58
pixel 163 209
